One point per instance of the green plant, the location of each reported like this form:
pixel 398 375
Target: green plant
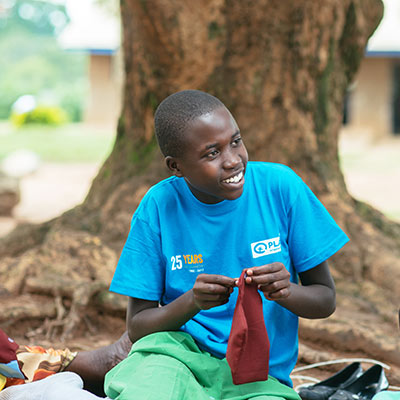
pixel 71 98
pixel 46 115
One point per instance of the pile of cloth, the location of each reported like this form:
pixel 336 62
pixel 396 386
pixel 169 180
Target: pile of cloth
pixel 20 365
pixel 23 364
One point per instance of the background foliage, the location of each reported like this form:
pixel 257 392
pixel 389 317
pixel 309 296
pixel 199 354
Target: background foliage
pixel 32 61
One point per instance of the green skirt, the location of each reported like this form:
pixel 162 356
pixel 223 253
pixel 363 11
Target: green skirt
pixel 170 366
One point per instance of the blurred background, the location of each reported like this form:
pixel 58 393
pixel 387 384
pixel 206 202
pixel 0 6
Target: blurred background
pixel 61 79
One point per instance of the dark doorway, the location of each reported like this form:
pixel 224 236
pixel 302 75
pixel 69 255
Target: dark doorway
pixel 346 115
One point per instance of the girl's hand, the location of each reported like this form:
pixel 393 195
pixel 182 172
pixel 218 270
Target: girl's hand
pixel 272 279
pixel 212 290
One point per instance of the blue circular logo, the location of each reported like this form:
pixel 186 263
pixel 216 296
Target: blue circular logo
pixel 260 248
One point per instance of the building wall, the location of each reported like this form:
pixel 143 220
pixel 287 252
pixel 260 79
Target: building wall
pixel 104 104
pixel 370 103
pixel 370 98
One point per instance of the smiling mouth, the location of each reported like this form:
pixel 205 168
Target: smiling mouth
pixel 234 179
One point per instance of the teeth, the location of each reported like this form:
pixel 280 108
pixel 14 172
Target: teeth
pixel 234 179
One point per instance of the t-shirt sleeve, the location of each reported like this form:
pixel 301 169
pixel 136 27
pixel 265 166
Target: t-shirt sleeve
pixel 313 235
pixel 140 268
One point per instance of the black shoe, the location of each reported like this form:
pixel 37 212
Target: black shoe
pixel 372 381
pixel 322 390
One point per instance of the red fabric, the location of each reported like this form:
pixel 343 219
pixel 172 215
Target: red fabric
pixel 7 348
pixel 248 344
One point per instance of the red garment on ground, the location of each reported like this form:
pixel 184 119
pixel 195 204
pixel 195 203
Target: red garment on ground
pixel 7 348
pixel 248 344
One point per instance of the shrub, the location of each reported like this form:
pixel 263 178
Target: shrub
pixel 72 101
pixel 46 115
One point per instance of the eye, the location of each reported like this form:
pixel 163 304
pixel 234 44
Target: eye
pixel 212 154
pixel 237 141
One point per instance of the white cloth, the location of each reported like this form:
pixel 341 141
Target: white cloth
pixel 61 386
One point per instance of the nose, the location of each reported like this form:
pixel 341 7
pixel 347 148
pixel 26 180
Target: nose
pixel 231 159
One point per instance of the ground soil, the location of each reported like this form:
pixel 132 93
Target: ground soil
pixel 372 170
pixel 49 191
pixel 372 173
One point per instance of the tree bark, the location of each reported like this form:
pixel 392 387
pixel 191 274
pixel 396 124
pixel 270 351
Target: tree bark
pixel 282 69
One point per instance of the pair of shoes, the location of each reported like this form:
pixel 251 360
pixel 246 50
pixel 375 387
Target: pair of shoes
pixel 365 387
pixel 322 390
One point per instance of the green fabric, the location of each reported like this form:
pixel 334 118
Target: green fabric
pixel 170 366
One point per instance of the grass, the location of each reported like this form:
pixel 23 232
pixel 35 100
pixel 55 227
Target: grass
pixel 66 144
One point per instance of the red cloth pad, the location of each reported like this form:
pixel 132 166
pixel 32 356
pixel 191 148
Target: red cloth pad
pixel 248 344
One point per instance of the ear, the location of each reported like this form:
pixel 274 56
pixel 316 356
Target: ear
pixel 173 166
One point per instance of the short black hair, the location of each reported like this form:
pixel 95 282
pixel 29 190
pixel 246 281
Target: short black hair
pixel 175 113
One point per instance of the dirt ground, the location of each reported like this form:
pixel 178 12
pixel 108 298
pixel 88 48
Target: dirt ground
pixel 49 191
pixel 372 171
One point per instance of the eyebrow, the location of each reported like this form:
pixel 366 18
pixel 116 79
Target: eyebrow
pixel 210 146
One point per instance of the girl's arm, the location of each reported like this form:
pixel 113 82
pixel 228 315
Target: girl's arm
pixel 314 298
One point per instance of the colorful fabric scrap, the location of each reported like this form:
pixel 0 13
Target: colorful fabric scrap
pixel 3 381
pixel 23 364
pixel 37 362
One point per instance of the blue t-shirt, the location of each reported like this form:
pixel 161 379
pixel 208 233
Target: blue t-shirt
pixel 174 237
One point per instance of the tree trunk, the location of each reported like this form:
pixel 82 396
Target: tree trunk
pixel 282 68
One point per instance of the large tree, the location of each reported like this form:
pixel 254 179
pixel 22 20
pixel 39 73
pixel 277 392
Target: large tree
pixel 282 68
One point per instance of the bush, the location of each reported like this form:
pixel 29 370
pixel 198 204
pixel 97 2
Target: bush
pixel 46 115
pixel 71 99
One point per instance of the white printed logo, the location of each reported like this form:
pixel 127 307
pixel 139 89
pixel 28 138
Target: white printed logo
pixel 266 247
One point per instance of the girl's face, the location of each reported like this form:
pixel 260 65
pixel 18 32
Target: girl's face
pixel 214 159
